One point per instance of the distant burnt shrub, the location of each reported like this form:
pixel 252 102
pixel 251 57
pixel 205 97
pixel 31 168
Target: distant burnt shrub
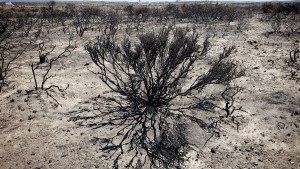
pixel 285 8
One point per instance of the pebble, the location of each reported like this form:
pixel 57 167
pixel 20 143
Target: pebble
pixel 96 107
pixel 26 100
pixel 64 155
pixel 213 150
pixel 30 117
pixel 292 162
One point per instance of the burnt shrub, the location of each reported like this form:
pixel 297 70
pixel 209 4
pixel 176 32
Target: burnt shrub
pixel 146 77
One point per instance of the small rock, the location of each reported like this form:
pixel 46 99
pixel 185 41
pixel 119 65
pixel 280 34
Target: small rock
pixel 21 108
pixel 26 99
pixel 30 117
pixel 213 150
pixel 258 153
pixel 271 140
pixel 272 61
pixel 96 107
pixel 290 160
pixel 64 155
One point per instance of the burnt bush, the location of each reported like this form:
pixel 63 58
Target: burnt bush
pixel 285 8
pixel 138 12
pixel 84 18
pixel 70 8
pixel 10 48
pixel 147 77
pixel 283 17
pixel 112 20
pixel 268 7
pixel 209 13
pixel 293 63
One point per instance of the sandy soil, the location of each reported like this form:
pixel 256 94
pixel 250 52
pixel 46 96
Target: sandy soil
pixel 36 133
